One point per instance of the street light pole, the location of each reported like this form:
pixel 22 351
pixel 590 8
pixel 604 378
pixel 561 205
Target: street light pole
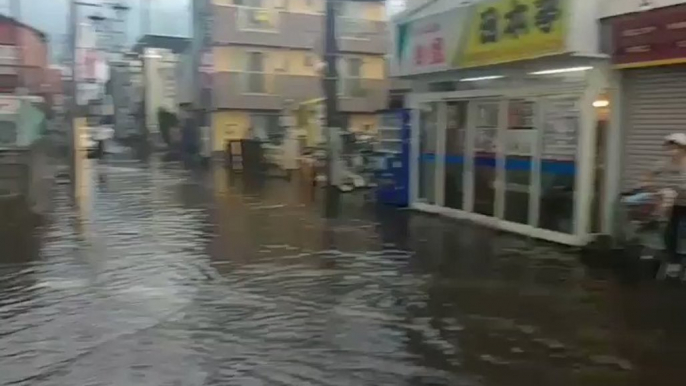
pixel 330 85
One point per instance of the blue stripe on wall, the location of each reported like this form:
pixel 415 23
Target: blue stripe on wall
pixel 548 166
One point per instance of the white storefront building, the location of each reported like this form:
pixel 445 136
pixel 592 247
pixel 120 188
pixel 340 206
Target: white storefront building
pixel 509 104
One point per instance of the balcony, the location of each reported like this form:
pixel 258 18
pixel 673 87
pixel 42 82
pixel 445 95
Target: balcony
pixel 257 83
pixel 258 19
pixel 360 35
pixel 277 28
pixel 260 91
pixel 265 27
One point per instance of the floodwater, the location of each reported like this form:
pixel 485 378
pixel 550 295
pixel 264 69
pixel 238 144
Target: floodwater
pixel 167 278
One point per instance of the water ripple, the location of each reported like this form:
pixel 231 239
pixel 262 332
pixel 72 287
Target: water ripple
pixel 165 278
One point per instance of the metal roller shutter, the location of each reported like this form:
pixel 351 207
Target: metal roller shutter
pixel 656 107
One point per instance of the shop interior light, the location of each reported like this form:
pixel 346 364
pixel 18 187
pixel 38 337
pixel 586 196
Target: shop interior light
pixel 601 103
pixel 476 79
pixel 562 70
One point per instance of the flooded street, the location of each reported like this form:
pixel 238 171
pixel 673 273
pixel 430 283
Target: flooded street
pixel 167 278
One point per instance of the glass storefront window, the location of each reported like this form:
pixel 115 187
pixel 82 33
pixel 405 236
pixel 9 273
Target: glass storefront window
pixel 456 126
pixel 520 140
pixel 558 164
pixel 485 141
pixel 511 149
pixel 428 122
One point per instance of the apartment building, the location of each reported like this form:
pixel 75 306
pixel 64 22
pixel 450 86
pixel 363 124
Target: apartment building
pixel 23 57
pixel 266 55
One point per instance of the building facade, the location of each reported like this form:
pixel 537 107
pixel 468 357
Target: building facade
pixel 266 55
pixel 23 57
pixel 645 41
pixel 507 106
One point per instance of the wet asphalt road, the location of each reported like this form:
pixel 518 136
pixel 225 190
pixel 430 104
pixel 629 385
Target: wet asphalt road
pixel 167 278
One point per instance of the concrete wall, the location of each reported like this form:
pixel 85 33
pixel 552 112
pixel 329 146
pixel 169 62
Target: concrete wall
pixel 299 30
pixel 291 74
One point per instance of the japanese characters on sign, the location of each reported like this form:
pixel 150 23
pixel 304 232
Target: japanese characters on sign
pixel 431 50
pixel 427 44
pixel 650 38
pixel 509 30
pixel 482 33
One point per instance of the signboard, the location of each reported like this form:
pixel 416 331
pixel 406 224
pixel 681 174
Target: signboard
pixel 483 33
pixel 503 31
pixel 425 45
pixel 650 38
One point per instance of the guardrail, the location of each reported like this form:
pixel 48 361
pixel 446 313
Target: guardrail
pixel 258 83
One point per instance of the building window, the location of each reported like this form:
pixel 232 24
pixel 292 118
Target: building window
pixel 265 127
pixel 350 84
pixel 255 73
pixel 256 17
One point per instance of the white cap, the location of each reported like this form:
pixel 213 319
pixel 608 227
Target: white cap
pixel 678 138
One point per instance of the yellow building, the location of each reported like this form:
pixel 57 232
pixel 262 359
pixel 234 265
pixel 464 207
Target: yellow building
pixel 267 54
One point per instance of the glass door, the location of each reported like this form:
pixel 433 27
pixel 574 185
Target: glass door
pixel 455 138
pixel 485 141
pixel 428 125
pixel 520 139
pixel 559 144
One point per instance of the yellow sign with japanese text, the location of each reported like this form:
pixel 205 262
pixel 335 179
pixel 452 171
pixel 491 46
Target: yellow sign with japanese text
pixel 504 31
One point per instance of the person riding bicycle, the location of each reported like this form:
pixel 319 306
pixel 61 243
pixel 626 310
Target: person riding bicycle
pixel 672 176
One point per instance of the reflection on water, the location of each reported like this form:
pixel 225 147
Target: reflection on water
pixel 173 279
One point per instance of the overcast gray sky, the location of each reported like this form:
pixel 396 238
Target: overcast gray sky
pixel 168 17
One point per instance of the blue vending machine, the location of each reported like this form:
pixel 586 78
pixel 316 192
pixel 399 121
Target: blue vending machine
pixel 392 173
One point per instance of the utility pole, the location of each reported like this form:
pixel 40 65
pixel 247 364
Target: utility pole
pixel 73 91
pixel 330 85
